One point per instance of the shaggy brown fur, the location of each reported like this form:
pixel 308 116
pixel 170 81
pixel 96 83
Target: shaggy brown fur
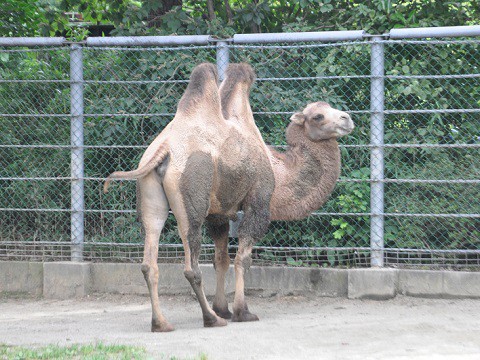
pixel 307 172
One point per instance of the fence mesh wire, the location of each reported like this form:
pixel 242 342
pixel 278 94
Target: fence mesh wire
pixel 431 147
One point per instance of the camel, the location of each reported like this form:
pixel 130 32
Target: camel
pixel 210 162
pixel 305 173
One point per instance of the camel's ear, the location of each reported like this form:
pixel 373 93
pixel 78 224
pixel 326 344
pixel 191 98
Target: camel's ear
pixel 298 118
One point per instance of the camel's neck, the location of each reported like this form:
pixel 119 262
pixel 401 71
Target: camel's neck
pixel 305 175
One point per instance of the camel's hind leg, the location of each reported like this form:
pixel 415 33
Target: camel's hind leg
pixel 218 227
pixel 194 275
pixel 153 207
pixel 190 203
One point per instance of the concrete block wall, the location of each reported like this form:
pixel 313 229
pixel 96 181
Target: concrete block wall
pixel 61 280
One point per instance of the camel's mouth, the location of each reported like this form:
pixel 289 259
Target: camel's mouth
pixel 345 130
pixel 347 126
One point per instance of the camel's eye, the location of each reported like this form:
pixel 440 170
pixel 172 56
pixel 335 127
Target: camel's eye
pixel 318 117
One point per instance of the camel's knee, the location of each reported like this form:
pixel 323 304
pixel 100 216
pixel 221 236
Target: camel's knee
pixel 145 269
pixel 150 273
pixel 194 277
pixel 222 260
pixel 243 261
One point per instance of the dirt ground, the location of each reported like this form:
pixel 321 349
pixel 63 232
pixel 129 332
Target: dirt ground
pixel 289 327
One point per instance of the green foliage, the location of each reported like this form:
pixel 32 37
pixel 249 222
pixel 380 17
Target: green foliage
pixel 24 17
pixel 76 33
pixel 355 198
pixel 131 17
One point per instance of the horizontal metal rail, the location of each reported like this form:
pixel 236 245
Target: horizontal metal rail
pixel 387 112
pixel 346 146
pixel 35 81
pixel 149 40
pixel 413 181
pixel 240 39
pixel 476 216
pixel 32 41
pixel 432 111
pixel 364 214
pixel 435 32
pixel 257 247
pixel 299 37
pixel 295 78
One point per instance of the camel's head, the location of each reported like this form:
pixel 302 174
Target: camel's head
pixel 322 122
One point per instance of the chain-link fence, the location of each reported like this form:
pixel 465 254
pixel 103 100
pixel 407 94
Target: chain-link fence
pixel 70 114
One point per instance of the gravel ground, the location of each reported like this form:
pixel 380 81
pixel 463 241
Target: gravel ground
pixel 289 327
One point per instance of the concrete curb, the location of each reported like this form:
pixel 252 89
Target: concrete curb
pixel 21 277
pixel 378 284
pixel 61 280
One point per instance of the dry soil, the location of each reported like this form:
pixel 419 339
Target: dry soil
pixel 289 327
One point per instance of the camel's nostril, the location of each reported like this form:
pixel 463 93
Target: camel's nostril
pixel 347 120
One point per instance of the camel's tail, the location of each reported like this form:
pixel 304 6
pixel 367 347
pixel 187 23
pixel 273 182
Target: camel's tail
pixel 156 160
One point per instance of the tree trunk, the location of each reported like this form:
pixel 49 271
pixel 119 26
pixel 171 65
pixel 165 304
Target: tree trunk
pixel 211 10
pixel 255 28
pixel 228 11
pixel 164 6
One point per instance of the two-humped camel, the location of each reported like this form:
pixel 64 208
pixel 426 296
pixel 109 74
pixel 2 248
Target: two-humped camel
pixel 210 162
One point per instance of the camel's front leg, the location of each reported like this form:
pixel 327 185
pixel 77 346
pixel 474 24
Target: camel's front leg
pixel 243 261
pixel 253 226
pixel 218 227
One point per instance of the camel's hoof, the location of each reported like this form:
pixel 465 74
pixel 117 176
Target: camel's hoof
pixel 162 327
pixel 243 316
pixel 214 321
pixel 223 313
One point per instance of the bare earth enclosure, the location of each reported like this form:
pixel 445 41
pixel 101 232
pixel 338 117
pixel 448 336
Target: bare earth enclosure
pixel 292 327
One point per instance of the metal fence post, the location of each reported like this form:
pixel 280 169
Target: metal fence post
pixel 223 58
pixel 377 88
pixel 77 156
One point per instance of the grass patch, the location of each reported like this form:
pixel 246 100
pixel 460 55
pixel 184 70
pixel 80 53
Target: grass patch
pixel 97 351
pixel 201 356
